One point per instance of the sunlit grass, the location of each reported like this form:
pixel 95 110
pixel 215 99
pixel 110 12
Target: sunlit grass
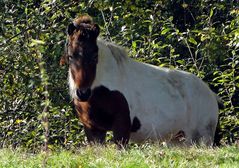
pixel 142 156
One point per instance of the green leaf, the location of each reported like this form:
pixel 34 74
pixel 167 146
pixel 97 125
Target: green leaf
pixel 211 12
pixel 9 133
pixel 150 28
pixel 192 40
pixel 134 45
pixel 36 42
pixel 165 31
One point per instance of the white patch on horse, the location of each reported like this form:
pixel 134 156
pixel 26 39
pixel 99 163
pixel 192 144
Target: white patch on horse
pixel 72 86
pixel 165 101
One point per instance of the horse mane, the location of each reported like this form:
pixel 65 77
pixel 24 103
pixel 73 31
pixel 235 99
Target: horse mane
pixel 83 19
pixel 118 52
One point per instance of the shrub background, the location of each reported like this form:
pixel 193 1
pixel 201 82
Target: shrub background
pixel 200 36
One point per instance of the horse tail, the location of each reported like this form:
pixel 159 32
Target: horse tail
pixel 218 135
pixel 218 132
pixel 219 102
pixel 135 125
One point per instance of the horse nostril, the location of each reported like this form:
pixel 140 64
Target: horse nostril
pixel 83 94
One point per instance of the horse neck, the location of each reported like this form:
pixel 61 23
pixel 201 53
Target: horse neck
pixel 109 70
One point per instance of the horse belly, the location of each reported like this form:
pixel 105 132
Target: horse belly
pixel 175 106
pixel 164 114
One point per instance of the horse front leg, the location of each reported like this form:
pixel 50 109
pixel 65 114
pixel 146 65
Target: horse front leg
pixel 121 131
pixel 95 135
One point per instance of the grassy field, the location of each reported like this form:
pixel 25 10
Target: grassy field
pixel 149 155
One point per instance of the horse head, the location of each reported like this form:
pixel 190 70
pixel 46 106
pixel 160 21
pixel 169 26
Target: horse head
pixel 81 53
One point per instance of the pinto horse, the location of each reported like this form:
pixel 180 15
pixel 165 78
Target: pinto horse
pixel 134 100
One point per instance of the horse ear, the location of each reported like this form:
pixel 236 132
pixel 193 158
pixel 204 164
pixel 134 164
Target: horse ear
pixel 96 30
pixel 71 28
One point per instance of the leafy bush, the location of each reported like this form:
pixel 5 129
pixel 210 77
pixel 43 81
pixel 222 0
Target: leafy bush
pixel 196 36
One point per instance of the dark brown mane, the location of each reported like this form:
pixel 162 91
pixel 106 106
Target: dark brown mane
pixel 83 19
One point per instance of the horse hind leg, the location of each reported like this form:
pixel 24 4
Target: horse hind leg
pixel 95 135
pixel 178 139
pixel 186 138
pixel 209 133
pixel 204 136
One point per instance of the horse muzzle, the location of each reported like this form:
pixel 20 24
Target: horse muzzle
pixel 83 94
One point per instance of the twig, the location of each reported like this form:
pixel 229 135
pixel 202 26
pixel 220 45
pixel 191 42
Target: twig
pixel 45 113
pixel 23 31
pixel 191 54
pixel 106 26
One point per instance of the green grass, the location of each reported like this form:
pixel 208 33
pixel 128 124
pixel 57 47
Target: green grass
pixel 148 155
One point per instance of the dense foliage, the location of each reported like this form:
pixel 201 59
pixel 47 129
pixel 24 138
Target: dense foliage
pixel 200 36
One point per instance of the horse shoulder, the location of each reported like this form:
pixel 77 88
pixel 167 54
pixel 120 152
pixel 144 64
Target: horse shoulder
pixel 106 107
pixel 82 112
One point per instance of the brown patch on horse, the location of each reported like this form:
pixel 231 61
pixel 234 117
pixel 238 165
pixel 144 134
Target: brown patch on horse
pixel 105 111
pixel 179 137
pixel 82 51
pixel 135 125
pixel 82 74
pixel 83 19
pixel 82 109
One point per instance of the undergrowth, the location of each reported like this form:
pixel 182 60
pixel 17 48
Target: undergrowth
pixel 138 156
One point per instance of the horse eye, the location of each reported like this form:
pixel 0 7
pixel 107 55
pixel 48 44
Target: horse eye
pixel 70 57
